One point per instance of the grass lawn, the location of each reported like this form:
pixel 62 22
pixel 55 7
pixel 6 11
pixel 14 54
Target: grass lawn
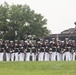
pixel 38 68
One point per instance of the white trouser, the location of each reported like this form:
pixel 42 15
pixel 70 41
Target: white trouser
pixel 21 57
pixel 27 56
pixel 50 56
pixel 58 56
pixel 33 57
pixel 73 56
pixel 16 56
pixel 46 56
pixel 63 55
pixel 40 56
pixel 1 56
pixel 12 56
pixel 7 56
pixel 68 58
pixel 53 58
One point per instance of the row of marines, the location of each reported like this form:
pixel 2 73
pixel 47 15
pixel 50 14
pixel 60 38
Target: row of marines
pixel 40 50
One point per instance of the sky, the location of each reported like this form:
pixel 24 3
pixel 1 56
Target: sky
pixel 60 14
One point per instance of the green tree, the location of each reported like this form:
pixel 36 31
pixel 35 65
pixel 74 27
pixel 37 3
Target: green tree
pixel 3 19
pixel 18 21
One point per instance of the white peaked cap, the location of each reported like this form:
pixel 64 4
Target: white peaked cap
pixel 51 41
pixel 38 41
pixel 11 41
pixel 26 41
pixel 62 41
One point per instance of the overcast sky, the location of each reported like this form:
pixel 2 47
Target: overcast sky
pixel 61 14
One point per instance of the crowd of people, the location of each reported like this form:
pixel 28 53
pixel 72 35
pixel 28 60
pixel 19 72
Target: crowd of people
pixel 26 50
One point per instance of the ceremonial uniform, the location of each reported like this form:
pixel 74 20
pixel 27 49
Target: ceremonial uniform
pixel 54 51
pixel 34 50
pixel 46 58
pixel 68 49
pixel 25 49
pixel 21 52
pixel 73 50
pixel 38 49
pixel 16 48
pixel 8 56
pixel 62 46
pixel 11 47
pixel 2 48
pixel 28 51
pixel 58 52
pixel 41 52
pixel 50 49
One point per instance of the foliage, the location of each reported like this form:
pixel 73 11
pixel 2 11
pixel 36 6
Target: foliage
pixel 23 20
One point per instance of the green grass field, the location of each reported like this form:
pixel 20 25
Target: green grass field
pixel 38 68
